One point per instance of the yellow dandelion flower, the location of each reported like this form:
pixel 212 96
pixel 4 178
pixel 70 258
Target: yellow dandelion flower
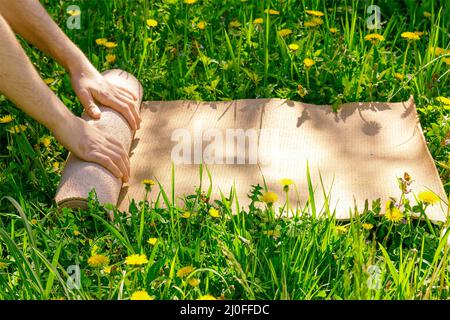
pixel 235 24
pixel 74 13
pixel 201 25
pixel 441 51
pixel 367 226
pixel 399 76
pixel 446 61
pixel 34 221
pixel 207 297
pixel 7 119
pixel 46 141
pixel 334 30
pixel 185 271
pixel 374 38
pixel 76 233
pixel 148 182
pixel 107 270
pixel 272 12
pixel 98 260
pixel 152 23
pixel 49 81
pixel 101 41
pixel 341 229
pixel 152 241
pixel 428 197
pixel 17 129
pixel 190 1
pixel 308 63
pixel 393 213
pixel 317 21
pixel 313 23
pixel 284 32
pixel 314 13
pixel 186 215
pixel 410 36
pixel 286 182
pixel 110 58
pixel 269 197
pixel 194 282
pixel 136 260
pixel 443 100
pixel 141 295
pixel 310 24
pixel 438 51
pixel 293 46
pixel 55 165
pixel 214 213
pixel 110 45
pixel 258 21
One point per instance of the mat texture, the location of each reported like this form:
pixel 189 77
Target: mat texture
pixel 358 152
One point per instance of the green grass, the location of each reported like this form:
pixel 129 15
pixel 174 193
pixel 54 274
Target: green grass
pixel 248 253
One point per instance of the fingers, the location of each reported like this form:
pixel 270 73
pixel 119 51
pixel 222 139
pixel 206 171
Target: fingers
pixel 123 108
pixel 89 105
pixel 130 98
pixel 132 106
pixel 127 92
pixel 120 160
pixel 120 150
pixel 115 159
pixel 90 144
pixel 108 163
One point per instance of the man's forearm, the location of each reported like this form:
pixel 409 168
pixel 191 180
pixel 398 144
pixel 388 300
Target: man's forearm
pixel 20 82
pixel 29 19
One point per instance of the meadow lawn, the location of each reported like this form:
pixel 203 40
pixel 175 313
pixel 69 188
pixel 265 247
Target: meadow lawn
pixel 319 52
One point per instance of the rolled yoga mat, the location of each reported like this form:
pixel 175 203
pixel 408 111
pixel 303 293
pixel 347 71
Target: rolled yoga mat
pixel 80 177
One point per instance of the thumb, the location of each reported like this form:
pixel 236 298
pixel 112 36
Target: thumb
pixel 89 104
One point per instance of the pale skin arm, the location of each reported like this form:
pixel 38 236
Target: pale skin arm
pixel 29 19
pixel 21 83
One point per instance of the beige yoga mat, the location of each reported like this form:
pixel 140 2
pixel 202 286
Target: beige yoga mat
pixel 80 177
pixel 359 153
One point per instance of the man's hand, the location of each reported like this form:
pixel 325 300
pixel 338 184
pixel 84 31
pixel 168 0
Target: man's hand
pixel 92 89
pixel 90 144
